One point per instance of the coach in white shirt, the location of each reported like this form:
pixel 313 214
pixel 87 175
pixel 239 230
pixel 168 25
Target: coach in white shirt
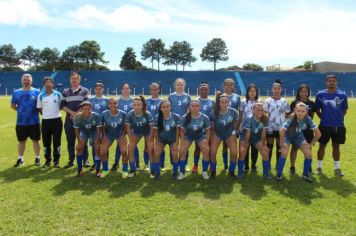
pixel 48 102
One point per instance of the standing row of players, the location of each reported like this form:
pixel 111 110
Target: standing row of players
pixel 180 121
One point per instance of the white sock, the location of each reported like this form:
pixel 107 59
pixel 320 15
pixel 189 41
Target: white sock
pixel 37 157
pixel 320 164
pixel 336 165
pixel 20 158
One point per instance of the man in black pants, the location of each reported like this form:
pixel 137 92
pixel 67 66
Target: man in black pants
pixel 48 103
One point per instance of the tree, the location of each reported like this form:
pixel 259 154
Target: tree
pixel 180 53
pixel 70 59
pixel 128 60
pixel 49 59
pixel 153 50
pixel 90 53
pixel 252 67
pixel 308 65
pixel 215 51
pixel 30 56
pixel 9 60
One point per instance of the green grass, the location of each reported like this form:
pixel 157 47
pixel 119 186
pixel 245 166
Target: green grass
pixel 37 201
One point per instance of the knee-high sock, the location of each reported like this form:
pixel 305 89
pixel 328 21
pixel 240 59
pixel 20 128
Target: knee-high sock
pixel 196 160
pixel 240 166
pixel 157 168
pixel 182 166
pixel 105 166
pixel 137 156
pixel 213 166
pixel 205 164
pixel 307 165
pixel 132 166
pixel 225 160
pixel 97 163
pixel 80 162
pixel 266 167
pixel 175 167
pixel 124 167
pixel 145 157
pixel 117 155
pixel 232 166
pixel 161 158
pixel 280 165
pixel 278 152
pixel 186 158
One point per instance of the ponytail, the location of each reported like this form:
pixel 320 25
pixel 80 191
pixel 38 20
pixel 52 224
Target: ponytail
pixel 160 116
pixel 144 107
pixel 217 104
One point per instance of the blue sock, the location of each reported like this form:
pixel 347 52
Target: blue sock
pixel 225 160
pixel 280 165
pixel 105 165
pixel 182 166
pixel 145 157
pixel 205 165
pixel 117 155
pixel 132 166
pixel 213 166
pixel 240 165
pixel 196 160
pixel 232 166
pixel 157 168
pixel 152 167
pixel 80 162
pixel 307 165
pixel 137 156
pixel 97 163
pixel 265 164
pixel 175 168
pixel 161 158
pixel 186 158
pixel 124 167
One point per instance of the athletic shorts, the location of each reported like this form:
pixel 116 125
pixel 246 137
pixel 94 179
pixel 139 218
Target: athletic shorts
pixel 336 134
pixel 296 140
pixel 25 131
pixel 197 139
pixel 272 134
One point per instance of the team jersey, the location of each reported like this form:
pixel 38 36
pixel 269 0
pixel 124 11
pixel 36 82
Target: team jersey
pixel 224 123
pixel 125 104
pixel 153 106
pixel 234 101
pixel 139 125
pixel 255 127
pixel 196 127
pixel 332 107
pixel 26 103
pixel 246 107
pixel 49 104
pixel 179 103
pixel 276 110
pixel 114 124
pixel 87 125
pixel 206 105
pixel 99 105
pixel 169 132
pixel 310 106
pixel 301 126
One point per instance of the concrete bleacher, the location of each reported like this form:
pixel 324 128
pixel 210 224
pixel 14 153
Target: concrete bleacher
pixel 140 81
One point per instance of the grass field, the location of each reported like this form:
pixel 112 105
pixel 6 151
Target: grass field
pixel 37 201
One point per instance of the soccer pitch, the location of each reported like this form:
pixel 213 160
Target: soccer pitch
pixel 39 201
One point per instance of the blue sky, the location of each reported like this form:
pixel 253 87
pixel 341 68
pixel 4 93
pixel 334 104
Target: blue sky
pixel 263 32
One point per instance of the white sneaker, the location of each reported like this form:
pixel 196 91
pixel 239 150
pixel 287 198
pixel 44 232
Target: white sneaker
pixel 205 175
pixel 146 168
pixel 180 176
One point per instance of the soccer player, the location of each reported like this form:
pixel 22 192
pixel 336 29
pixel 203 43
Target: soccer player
pixel 206 106
pixel 224 120
pixel 87 126
pixel 113 121
pixel 166 132
pixel 292 133
pixel 139 124
pixel 71 99
pixel 254 134
pixel 303 94
pixel 331 106
pixel 24 102
pixel 246 106
pixel 277 109
pixel 195 126
pixel 52 126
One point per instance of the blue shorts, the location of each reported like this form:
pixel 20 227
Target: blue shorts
pixel 296 140
pixel 253 138
pixel 197 139
pixel 88 136
pixel 224 136
pixel 167 141
pixel 113 137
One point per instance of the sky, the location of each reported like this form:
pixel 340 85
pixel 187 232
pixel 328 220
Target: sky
pixel 255 31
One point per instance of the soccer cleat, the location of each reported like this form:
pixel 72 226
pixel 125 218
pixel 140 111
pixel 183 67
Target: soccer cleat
pixel 37 162
pixel 338 172
pixel 152 175
pixel 187 168
pixel 174 176
pixel 47 164
pixel 213 175
pixel 180 176
pixel 267 177
pixel 226 168
pixel 19 163
pixel 146 168
pixel 319 171
pixel 254 169
pixel 195 169
pixel 292 170
pixel 311 170
pixel 86 164
pixel 138 168
pixel 69 165
pixel 131 174
pixel 124 175
pixel 279 178
pixel 103 174
pixel 114 167
pixel 96 173
pixel 80 173
pixel 92 167
pixel 307 178
pixel 205 175
pixel 246 169
pixel 232 174
pixel 56 165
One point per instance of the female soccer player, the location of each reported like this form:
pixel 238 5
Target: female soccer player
pixel 303 94
pixel 292 133
pixel 206 106
pixel 113 121
pixel 224 120
pixel 195 126
pixel 246 105
pixel 166 132
pixel 87 126
pixel 254 134
pixel 277 109
pixel 180 102
pixel 139 124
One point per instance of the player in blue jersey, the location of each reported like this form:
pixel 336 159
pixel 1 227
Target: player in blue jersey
pixel 139 124
pixel 292 133
pixel 195 126
pixel 153 107
pixel 224 121
pixel 331 107
pixel 206 106
pixel 24 102
pixel 87 127
pixel 254 134
pixel 99 104
pixel 166 132
pixel 113 121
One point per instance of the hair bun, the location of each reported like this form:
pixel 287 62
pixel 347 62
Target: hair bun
pixel 279 81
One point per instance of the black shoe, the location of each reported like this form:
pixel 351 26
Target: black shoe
pixel 69 165
pixel 19 163
pixel 213 175
pixel 157 177
pixel 37 162
pixel 56 164
pixel 307 178
pixel 232 174
pixel 338 172
pixel 138 168
pixel 279 178
pixel 292 170
pixel 92 167
pixel 47 164
pixel 174 176
pixel 311 171
pixel 114 167
pixel 246 169
pixel 86 164
pixel 254 169
pixel 267 177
